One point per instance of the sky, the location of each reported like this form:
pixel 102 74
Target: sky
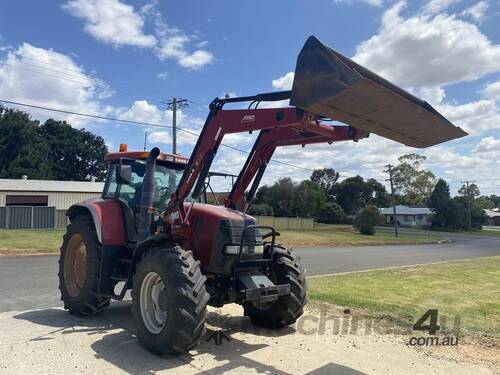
pixel 125 59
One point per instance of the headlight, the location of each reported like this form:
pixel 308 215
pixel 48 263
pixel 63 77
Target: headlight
pixel 235 249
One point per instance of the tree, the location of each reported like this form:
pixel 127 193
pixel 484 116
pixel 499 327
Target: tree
pixel 22 150
pixel 53 150
pixel 326 178
pixel 377 194
pixel 309 199
pixel 260 209
pixel 440 201
pixel 331 213
pixel 485 202
pixel 279 196
pixel 472 191
pixel 351 194
pixel 412 181
pixel 75 154
pixel 495 199
pixel 367 219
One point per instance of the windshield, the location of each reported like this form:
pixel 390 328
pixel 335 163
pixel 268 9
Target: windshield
pixel 166 181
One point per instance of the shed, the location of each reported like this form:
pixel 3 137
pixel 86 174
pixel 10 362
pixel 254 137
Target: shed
pixel 37 204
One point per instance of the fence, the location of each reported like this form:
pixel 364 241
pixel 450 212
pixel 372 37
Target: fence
pixel 32 217
pixel 286 223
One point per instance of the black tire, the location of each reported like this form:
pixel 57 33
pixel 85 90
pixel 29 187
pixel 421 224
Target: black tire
pixel 185 302
pixel 285 269
pixel 83 301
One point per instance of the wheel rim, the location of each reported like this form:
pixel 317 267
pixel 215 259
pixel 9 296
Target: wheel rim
pixel 75 265
pixel 153 316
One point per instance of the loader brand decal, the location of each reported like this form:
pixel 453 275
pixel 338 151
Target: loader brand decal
pixel 248 118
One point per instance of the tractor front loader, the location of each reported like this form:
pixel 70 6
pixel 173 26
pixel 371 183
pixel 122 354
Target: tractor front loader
pixel 152 233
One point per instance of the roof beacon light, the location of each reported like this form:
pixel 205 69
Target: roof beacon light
pixel 123 147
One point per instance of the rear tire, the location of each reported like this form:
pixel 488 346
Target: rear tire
pixel 169 300
pixel 79 267
pixel 285 269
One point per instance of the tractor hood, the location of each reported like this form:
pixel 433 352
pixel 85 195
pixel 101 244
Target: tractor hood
pixel 334 86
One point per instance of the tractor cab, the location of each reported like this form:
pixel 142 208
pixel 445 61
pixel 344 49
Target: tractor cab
pixel 126 174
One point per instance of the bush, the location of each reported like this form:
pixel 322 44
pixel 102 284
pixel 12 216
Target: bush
pixel 331 213
pixel 367 218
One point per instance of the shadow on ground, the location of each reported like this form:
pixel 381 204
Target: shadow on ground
pixel 122 349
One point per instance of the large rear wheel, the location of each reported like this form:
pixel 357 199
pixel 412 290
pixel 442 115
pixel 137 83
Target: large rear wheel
pixel 285 269
pixel 79 265
pixel 169 300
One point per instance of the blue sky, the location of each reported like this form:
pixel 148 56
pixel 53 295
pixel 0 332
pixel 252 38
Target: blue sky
pixel 123 58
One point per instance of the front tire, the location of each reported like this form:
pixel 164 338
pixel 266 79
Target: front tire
pixel 169 300
pixel 285 269
pixel 79 267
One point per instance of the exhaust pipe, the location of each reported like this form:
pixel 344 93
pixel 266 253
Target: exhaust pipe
pixel 147 195
pixel 332 85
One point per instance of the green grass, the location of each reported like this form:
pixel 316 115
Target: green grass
pixel 339 238
pixel 16 241
pixel 19 241
pixel 470 289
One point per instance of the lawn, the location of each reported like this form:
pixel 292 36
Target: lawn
pixel 15 241
pixel 339 238
pixel 470 289
pixel 19 241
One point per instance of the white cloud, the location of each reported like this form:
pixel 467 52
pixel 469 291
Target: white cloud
pixel 160 137
pixel 116 23
pixel 475 117
pixel 196 60
pixel 162 75
pixel 425 50
pixel 174 44
pixel 477 11
pixel 285 82
pixel 488 145
pixel 375 3
pixel 436 6
pixel 48 78
pixel 111 21
pixel 492 91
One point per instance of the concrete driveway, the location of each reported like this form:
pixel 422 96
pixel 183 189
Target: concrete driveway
pixel 51 341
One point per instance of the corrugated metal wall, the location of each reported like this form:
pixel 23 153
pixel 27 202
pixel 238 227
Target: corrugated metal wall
pixel 27 217
pixel 61 201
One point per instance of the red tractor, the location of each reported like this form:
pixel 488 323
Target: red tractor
pixel 152 231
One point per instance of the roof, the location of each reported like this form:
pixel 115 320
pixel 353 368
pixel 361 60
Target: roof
pixel 50 186
pixel 405 210
pixel 492 213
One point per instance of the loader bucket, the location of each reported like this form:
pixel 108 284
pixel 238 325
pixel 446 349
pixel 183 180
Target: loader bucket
pixel 332 85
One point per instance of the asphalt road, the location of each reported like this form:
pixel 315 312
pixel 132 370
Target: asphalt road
pixel 31 282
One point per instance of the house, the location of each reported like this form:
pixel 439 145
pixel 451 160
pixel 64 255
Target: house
pixel 493 216
pixel 407 216
pixel 36 204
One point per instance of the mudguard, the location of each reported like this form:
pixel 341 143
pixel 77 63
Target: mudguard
pixel 108 218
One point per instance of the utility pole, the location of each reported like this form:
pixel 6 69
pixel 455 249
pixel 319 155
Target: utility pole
pixel 394 214
pixel 469 213
pixel 145 140
pixel 173 105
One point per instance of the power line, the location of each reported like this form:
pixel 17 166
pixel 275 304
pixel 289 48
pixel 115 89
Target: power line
pixel 107 118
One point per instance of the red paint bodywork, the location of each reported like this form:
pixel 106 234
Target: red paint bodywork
pixel 201 240
pixel 109 213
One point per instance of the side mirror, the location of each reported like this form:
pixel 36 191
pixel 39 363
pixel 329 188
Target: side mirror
pixel 125 174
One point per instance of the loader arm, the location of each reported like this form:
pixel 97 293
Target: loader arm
pixel 295 125
pixel 264 148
